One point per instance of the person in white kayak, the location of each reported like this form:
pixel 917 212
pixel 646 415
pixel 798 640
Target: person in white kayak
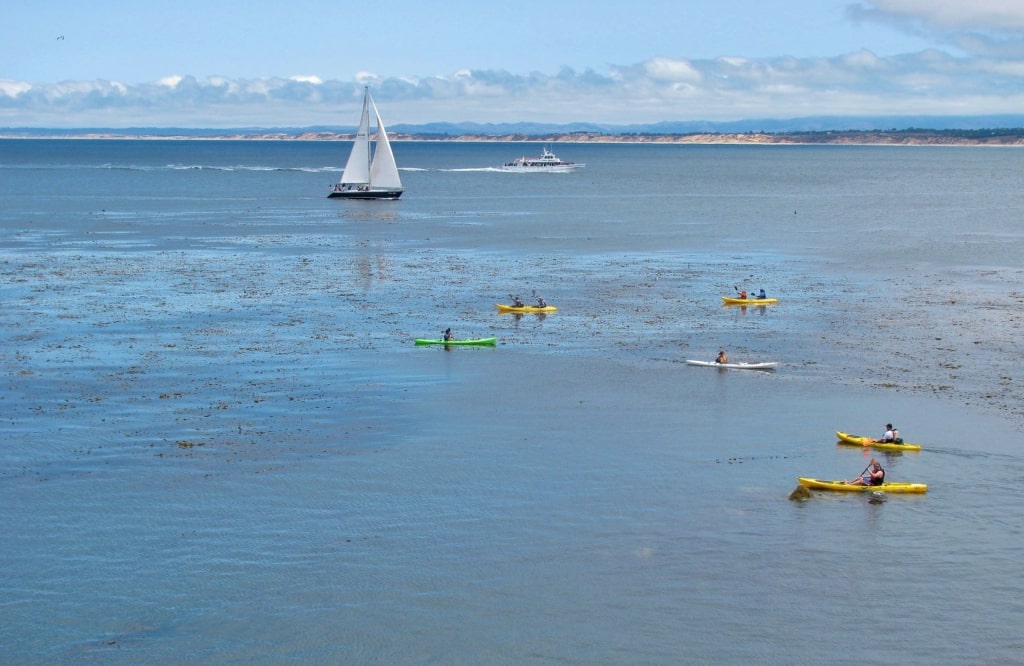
pixel 721 358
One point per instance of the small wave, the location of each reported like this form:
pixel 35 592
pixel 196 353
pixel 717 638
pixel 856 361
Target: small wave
pixel 185 167
pixel 268 168
pixel 459 170
pixel 228 167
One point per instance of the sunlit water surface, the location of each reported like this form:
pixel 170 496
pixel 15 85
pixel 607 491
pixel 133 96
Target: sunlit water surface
pixel 220 444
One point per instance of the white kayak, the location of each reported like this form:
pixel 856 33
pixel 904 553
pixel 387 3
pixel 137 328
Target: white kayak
pixel 767 365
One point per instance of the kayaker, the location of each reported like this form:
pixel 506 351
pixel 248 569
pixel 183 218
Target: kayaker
pixel 889 436
pixel 873 476
pixel 721 358
pixel 743 294
pixel 516 301
pixel 541 303
pixel 448 334
pixel 762 294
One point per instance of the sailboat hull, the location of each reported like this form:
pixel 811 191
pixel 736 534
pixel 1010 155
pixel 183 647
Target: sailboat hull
pixel 365 194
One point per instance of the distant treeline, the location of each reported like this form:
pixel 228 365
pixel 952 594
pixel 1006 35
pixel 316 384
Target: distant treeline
pixel 894 136
pixel 909 136
pixel 974 134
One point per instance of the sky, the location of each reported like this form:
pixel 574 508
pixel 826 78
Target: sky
pixel 301 63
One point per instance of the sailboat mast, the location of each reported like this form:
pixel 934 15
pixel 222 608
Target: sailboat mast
pixel 366 123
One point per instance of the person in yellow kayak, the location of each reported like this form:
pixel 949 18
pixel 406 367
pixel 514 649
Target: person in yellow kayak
pixel 874 475
pixel 889 435
pixel 761 294
pixel 721 358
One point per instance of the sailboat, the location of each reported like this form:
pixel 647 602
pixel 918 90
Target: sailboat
pixel 369 174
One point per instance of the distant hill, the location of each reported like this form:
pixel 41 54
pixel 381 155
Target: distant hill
pixel 996 129
pixel 767 125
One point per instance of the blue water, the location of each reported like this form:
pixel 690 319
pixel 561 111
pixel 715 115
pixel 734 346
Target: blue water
pixel 220 445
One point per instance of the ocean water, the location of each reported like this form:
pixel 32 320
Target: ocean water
pixel 220 444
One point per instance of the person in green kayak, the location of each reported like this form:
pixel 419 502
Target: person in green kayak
pixel 874 475
pixel 448 335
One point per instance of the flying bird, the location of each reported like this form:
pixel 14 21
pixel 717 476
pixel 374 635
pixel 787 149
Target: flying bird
pixel 60 38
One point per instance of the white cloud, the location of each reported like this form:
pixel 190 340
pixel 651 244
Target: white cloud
pixel 863 59
pixel 366 78
pixel 980 27
pixel 12 89
pixel 678 71
pixel 170 81
pixel 998 15
pixel 660 89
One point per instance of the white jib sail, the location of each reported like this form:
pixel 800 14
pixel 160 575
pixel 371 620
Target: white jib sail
pixel 383 170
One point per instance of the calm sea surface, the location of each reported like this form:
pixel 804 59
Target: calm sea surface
pixel 220 445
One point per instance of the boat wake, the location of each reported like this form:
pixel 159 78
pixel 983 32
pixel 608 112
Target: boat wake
pixel 282 169
pixel 477 170
pixel 211 167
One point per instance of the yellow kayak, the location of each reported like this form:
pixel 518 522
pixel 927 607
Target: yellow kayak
pixel 858 440
pixel 749 301
pixel 526 308
pixel 887 487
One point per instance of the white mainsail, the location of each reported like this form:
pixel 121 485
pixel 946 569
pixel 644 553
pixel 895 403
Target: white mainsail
pixel 357 169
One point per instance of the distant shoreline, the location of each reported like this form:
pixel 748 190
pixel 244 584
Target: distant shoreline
pixel 910 137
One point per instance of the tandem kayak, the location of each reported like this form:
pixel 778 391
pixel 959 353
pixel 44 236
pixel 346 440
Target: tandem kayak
pixel 478 342
pixel 768 365
pixel 858 440
pixel 526 308
pixel 842 486
pixel 749 301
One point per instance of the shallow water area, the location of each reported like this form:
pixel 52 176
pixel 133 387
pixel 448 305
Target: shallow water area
pixel 220 443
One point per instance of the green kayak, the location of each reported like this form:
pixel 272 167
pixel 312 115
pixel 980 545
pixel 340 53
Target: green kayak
pixel 476 342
